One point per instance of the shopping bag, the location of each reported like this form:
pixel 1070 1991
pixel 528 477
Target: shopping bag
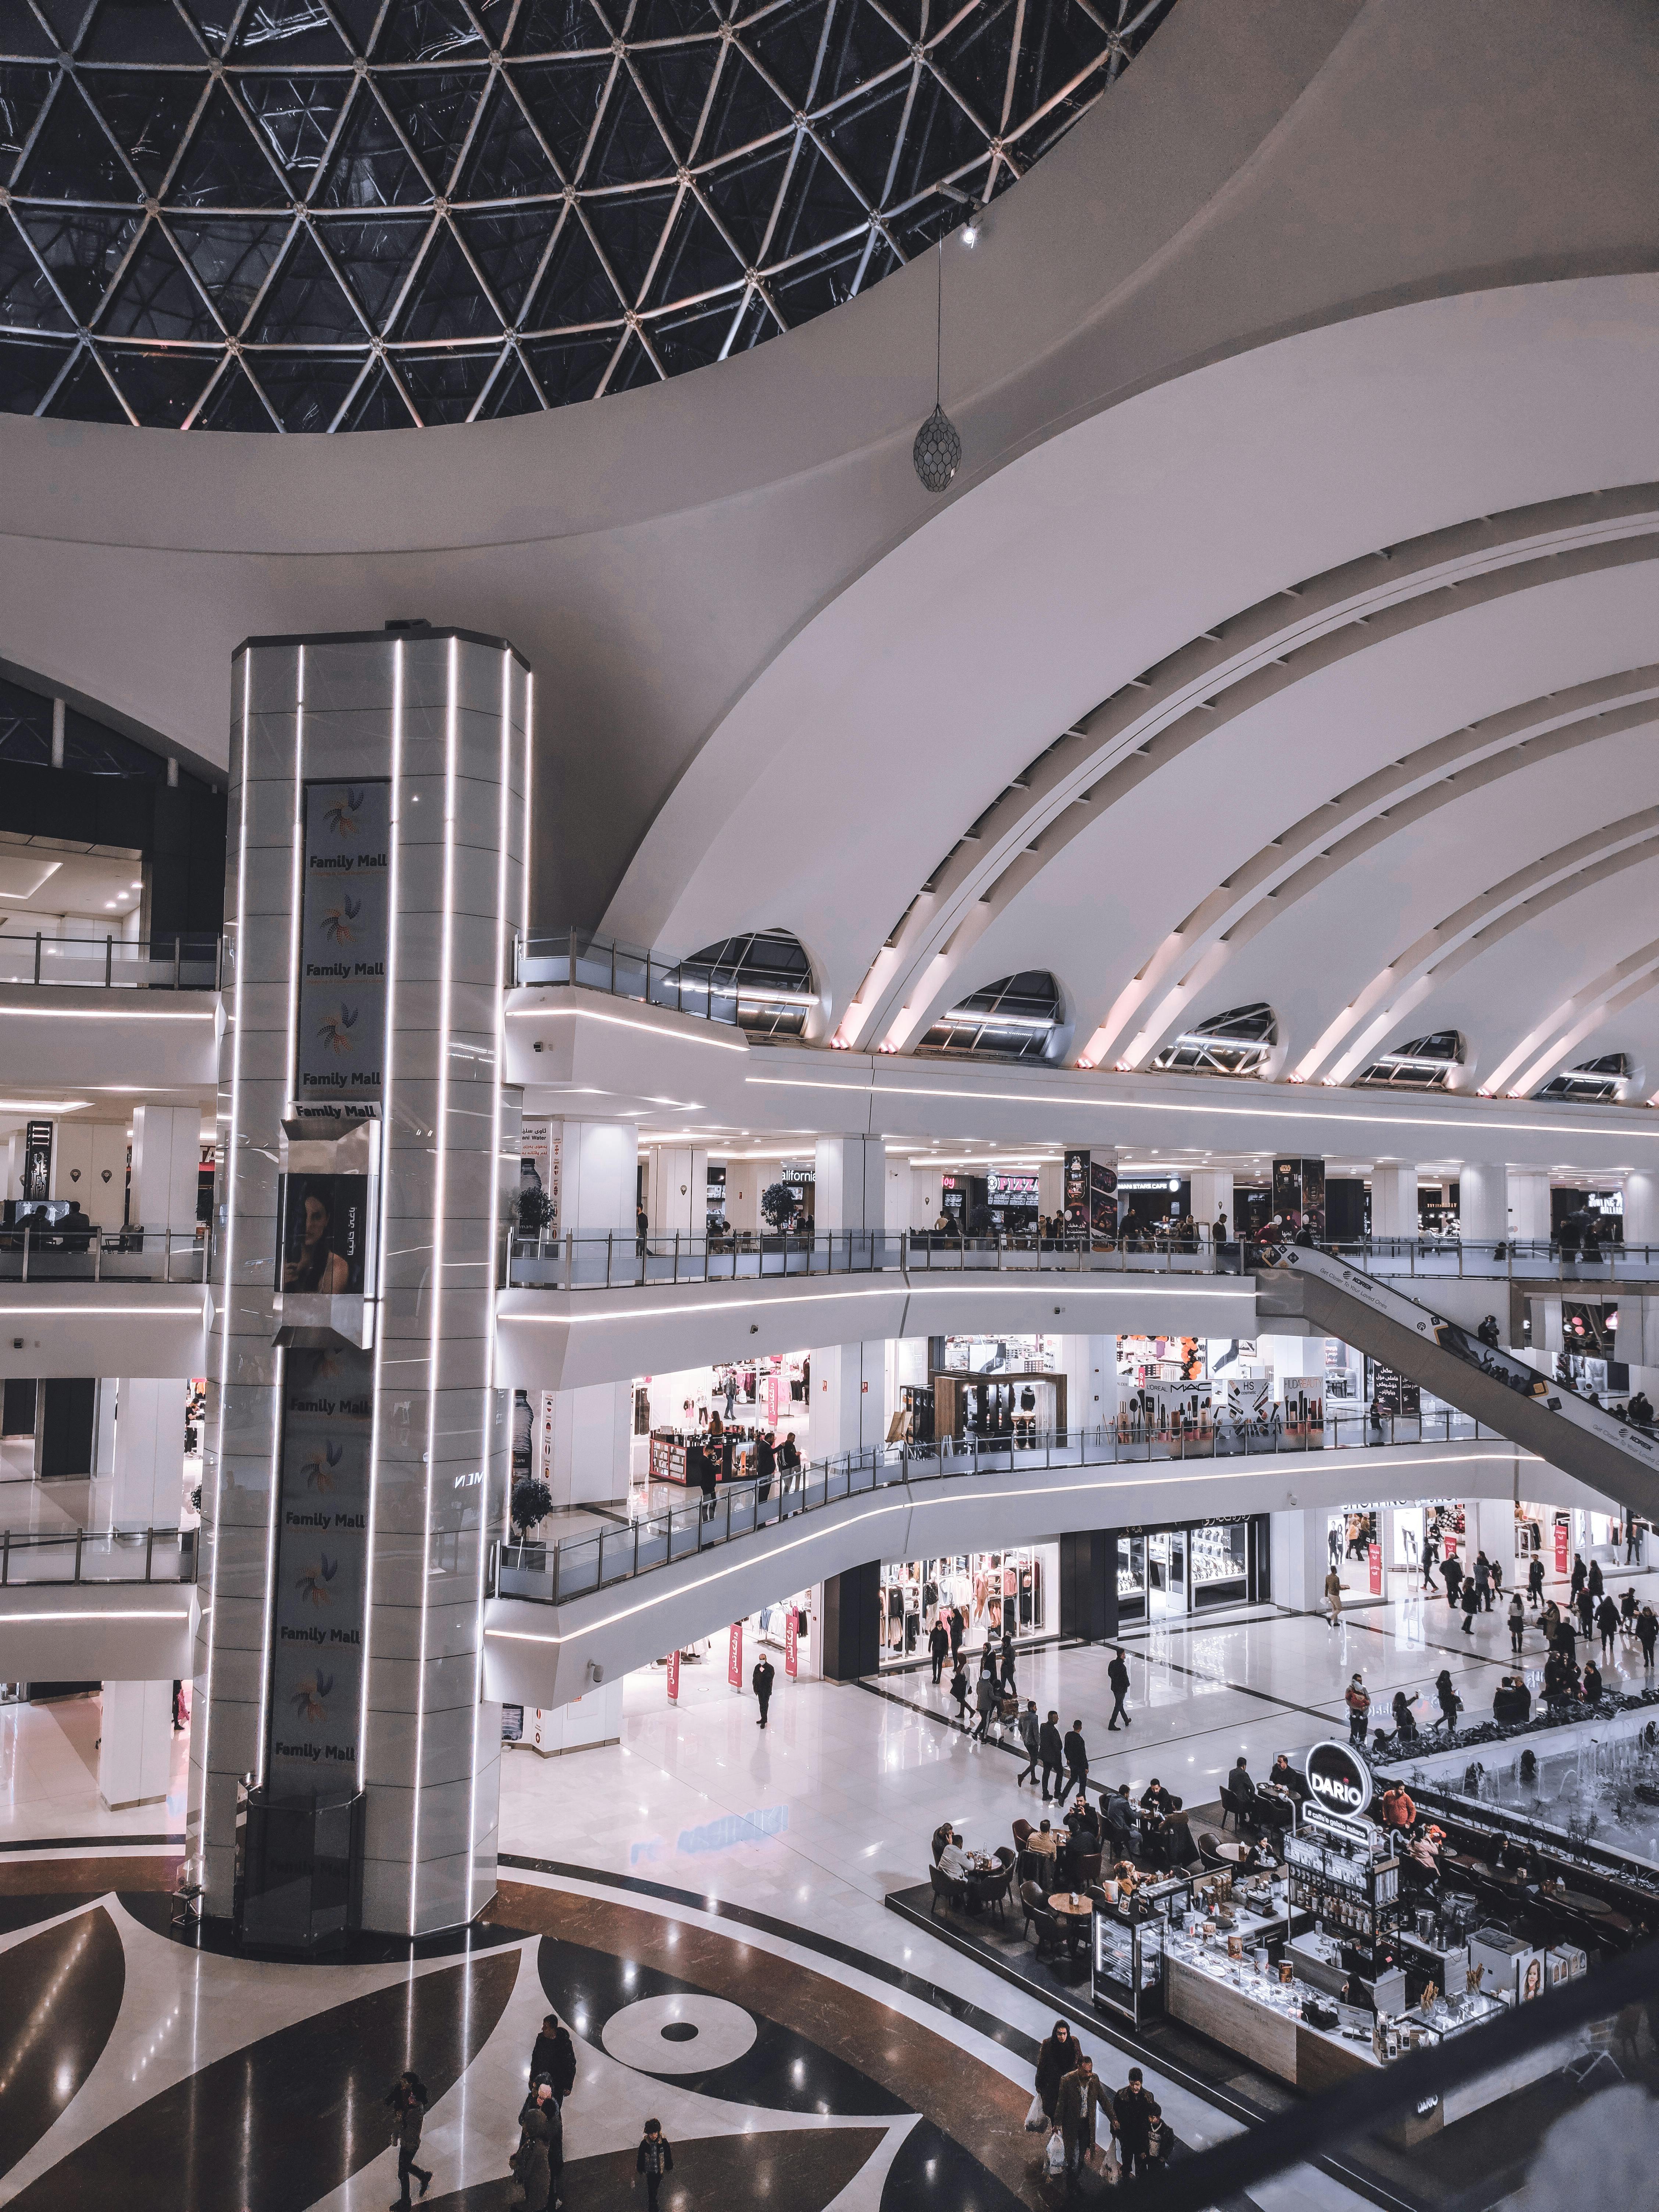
pixel 1055 2157
pixel 1103 2159
pixel 1036 2119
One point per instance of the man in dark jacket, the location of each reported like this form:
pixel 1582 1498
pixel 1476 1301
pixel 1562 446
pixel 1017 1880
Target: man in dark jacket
pixel 761 1681
pixel 938 1644
pixel 1453 1573
pixel 1134 2111
pixel 1080 2099
pixel 766 1465
pixel 532 2162
pixel 1118 1675
pixel 1077 1761
pixel 1031 1735
pixel 1052 1754
pixel 1511 1703
pixel 553 2059
pixel 1120 1825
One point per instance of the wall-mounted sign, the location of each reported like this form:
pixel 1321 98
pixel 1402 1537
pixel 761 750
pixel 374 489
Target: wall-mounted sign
pixel 1339 1779
pixel 734 1656
pixel 344 934
pixel 37 1160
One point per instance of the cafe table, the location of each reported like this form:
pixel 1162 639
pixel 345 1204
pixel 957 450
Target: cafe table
pixel 1074 1914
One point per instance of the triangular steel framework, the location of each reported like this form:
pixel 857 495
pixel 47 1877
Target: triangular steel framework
pixel 605 191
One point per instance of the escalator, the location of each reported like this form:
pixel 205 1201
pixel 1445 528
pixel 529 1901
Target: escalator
pixel 1609 1454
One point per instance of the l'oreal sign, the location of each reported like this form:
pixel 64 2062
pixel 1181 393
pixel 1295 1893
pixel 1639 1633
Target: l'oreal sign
pixel 1339 1780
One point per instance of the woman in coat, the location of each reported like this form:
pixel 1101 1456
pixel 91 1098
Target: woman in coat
pixel 959 1689
pixel 1518 1623
pixel 1447 1698
pixel 530 2164
pixel 1471 1602
pixel 1535 1580
pixel 1055 2060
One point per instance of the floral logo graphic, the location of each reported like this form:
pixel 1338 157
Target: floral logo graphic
pixel 310 1697
pixel 312 1585
pixel 336 1031
pixel 342 816
pixel 337 921
pixel 319 1469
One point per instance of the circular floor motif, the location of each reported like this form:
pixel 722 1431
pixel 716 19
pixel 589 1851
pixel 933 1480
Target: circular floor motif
pixel 685 2034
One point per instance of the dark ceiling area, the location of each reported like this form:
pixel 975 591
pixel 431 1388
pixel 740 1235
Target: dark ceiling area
pixel 356 215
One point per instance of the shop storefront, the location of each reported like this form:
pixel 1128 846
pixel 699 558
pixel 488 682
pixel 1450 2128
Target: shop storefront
pixel 1014 1591
pixel 1164 1573
pixel 1380 1548
pixel 750 1396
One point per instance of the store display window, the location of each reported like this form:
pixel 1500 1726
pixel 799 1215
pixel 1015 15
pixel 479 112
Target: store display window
pixel 1163 1572
pixel 990 1592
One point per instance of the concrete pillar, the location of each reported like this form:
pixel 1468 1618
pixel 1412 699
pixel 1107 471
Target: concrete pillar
pixel 1051 1188
pixel 148 1453
pixel 167 1149
pixel 850 1389
pixel 1528 1205
pixel 1482 1203
pixel 599 1168
pixel 849 1184
pixel 377 811
pixel 1090 1366
pixel 677 1196
pixel 1393 1200
pixel 852 1623
pixel 1088 1585
pixel 1213 1194
pixel 135 1751
pixel 745 1181
pixel 925 1188
pixel 584 1443
pixel 1641 1207
pixel 1300 1556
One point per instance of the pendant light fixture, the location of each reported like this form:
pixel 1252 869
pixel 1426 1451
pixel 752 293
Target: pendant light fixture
pixel 938 450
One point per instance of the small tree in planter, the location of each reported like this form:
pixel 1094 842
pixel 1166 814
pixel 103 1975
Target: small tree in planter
pixel 532 1501
pixel 778 1205
pixel 535 1210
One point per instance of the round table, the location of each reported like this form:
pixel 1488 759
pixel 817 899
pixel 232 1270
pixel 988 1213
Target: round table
pixel 1233 1853
pixel 1076 1917
pixel 1579 1901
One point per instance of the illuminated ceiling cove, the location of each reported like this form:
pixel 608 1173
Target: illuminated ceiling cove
pixel 351 214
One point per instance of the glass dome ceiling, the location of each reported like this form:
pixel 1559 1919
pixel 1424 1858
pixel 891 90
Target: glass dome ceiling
pixel 354 215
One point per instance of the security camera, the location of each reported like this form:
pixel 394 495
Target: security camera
pixel 595 1672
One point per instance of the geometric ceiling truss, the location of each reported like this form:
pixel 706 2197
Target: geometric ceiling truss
pixel 328 215
pixel 1250 657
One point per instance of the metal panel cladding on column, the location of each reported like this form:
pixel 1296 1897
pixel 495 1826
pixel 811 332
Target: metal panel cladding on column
pixel 311 214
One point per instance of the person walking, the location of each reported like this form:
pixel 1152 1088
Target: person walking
pixel 1586 1611
pixel 1056 2058
pixel 1052 1752
pixel 1008 1684
pixel 1333 1598
pixel 761 1682
pixel 1471 1604
pixel 1647 1630
pixel 788 1460
pixel 1031 1735
pixel 1358 1698
pixel 1607 1619
pixel 1483 1580
pixel 1117 1674
pixel 1518 1623
pixel 1580 1576
pixel 553 2058
pixel 655 2158
pixel 531 2162
pixel 959 1689
pixel 766 1464
pixel 1447 1698
pixel 1593 1582
pixel 1077 1761
pixel 938 1646
pixel 1536 1581
pixel 985 1698
pixel 1079 2101
pixel 1497 1572
pixel 1134 2113
pixel 1452 1571
pixel 408 2100
pixel 959 1627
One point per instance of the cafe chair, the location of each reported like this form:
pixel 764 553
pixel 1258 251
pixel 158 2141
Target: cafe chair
pixel 953 1893
pixel 941 1837
pixel 1209 1850
pixel 1035 1907
pixel 1088 1870
pixel 992 1890
pixel 1242 1815
pixel 1004 1858
pixel 1022 1832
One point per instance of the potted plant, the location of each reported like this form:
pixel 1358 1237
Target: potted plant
pixel 778 1205
pixel 532 1501
pixel 535 1210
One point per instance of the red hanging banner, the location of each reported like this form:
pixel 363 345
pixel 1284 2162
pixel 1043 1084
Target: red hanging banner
pixel 1561 1548
pixel 791 1624
pixel 734 1656
pixel 1374 1552
pixel 674 1676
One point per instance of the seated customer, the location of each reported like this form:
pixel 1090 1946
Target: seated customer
pixel 1083 1824
pixel 1239 1781
pixel 1120 1817
pixel 1511 1703
pixel 953 1860
pixel 1155 1798
pixel 1592 1683
pixel 1173 1843
pixel 1284 1775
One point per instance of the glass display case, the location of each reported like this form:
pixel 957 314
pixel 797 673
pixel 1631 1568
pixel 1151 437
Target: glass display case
pixel 1438 2023
pixel 1127 1962
pixel 1219 1564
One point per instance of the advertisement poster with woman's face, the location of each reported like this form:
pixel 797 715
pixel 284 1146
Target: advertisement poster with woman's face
pixel 324 1234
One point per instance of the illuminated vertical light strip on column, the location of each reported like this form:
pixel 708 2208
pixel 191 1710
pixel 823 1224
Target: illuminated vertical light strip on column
pixel 499 1005
pixel 290 1065
pixel 529 770
pixel 439 1198
pixel 228 1285
pixel 394 872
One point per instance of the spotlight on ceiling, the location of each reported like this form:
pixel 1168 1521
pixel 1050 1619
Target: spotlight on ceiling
pixel 971 229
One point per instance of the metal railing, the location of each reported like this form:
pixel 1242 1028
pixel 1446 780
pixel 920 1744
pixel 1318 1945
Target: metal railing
pixel 38 1252
pixel 159 963
pixel 88 1555
pixel 620 1261
pixel 551 1573
pixel 626 971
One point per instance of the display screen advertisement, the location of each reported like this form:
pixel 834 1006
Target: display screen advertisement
pixel 317 1641
pixel 344 939
pixel 1076 1190
pixel 325 1229
pixel 1103 1199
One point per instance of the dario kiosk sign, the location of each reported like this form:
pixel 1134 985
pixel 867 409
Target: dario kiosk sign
pixel 1339 1780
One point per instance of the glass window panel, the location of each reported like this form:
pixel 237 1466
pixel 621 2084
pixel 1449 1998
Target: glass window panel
pixel 233 404
pixel 160 388
pixel 289 31
pixel 297 115
pixel 82 247
pixel 370 167
pixel 22 94
pixel 305 304
pixel 445 301
pixel 508 244
pixel 376 256
pixel 149 115
pixel 74 158
pixel 140 31
pixel 435 110
pixel 222 164
pixel 306 390
pixel 154 297
pixel 445 385
pixel 27 301
pixel 232 256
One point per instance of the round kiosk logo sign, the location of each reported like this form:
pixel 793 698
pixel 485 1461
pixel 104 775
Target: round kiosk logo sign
pixel 1339 1779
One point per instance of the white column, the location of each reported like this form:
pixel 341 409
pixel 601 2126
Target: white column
pixel 1528 1205
pixel 1051 1188
pixel 583 1440
pixel 134 1754
pixel 850 1384
pixel 89 1166
pixel 167 1149
pixel 1300 1558
pixel 745 1181
pixel 1483 1205
pixel 678 1198
pixel 1213 1194
pixel 585 1448
pixel 849 1183
pixel 149 1453
pixel 924 1197
pixel 1641 1207
pixel 1090 1366
pixel 598 1169
pixel 1394 1199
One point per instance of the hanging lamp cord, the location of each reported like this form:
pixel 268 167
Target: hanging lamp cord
pixel 939 327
